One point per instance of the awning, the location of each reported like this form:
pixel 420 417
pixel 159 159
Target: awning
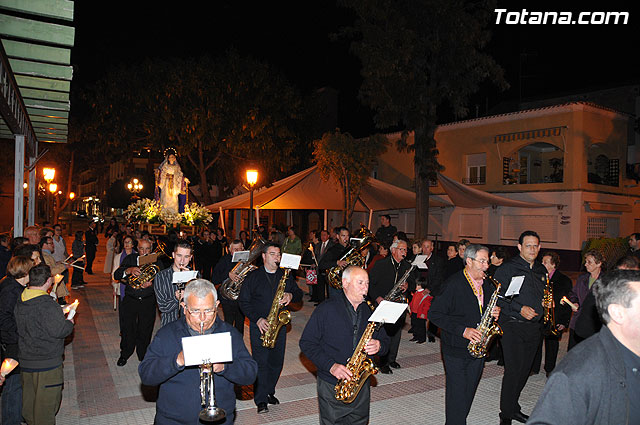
pixel 606 206
pixel 528 134
pixel 468 197
pixel 307 190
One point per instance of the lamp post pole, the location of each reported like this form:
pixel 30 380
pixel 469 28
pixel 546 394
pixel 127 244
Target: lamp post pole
pixel 252 178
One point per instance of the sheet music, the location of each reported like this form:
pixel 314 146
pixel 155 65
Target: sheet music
pixel 185 276
pixel 420 261
pixel 240 256
pixel 514 286
pixel 212 348
pixel 290 261
pixel 388 312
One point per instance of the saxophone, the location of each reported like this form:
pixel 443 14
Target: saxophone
pixel 549 314
pixel 360 365
pixel 276 318
pixel 230 289
pixel 396 294
pixel 487 326
pixel 352 257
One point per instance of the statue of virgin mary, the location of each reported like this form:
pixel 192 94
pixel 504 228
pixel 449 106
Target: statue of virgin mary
pixel 171 185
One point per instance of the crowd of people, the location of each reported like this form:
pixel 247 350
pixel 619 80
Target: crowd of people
pixel 448 299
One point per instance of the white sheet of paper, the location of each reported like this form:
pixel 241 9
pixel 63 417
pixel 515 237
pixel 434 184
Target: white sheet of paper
pixel 420 261
pixel 185 276
pixel 514 286
pixel 240 256
pixel 212 348
pixel 290 261
pixel 388 312
pixel 146 259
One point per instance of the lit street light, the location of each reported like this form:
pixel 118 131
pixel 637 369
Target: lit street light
pixel 135 187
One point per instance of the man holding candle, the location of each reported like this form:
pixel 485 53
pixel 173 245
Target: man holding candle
pixel 42 328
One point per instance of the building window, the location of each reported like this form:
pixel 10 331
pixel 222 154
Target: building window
pixel 603 227
pixel 535 163
pixel 476 169
pixel 601 168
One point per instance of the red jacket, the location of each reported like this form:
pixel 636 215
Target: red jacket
pixel 420 304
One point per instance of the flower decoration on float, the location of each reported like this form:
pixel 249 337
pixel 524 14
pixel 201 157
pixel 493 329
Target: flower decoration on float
pixel 170 218
pixel 196 215
pixel 144 211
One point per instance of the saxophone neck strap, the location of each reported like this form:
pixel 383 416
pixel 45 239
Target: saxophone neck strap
pixel 477 292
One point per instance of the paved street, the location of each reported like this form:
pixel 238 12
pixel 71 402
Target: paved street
pixel 98 392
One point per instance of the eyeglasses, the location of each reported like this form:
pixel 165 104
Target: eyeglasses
pixel 481 261
pixel 196 313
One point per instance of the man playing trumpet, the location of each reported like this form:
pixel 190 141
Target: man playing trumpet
pixel 328 341
pixel 179 398
pixel 167 294
pixel 138 307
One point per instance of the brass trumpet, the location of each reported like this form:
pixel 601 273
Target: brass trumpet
pixel 549 313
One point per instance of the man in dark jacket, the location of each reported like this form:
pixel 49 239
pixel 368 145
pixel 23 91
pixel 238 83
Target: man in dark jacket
pixel 138 306
pixel 91 246
pixel 179 399
pixel 457 312
pixel 42 328
pixel 521 322
pixel 328 341
pixel 232 313
pixel 383 276
pixel 384 234
pixel 597 381
pixel 255 300
pixel 332 258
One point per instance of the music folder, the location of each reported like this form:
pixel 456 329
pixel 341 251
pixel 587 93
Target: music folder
pixel 185 276
pixel 388 312
pixel 290 261
pixel 212 348
pixel 240 256
pixel 147 259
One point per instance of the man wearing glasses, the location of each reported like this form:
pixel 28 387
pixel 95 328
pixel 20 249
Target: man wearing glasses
pixel 382 278
pixel 179 399
pixel 457 311
pixel 255 300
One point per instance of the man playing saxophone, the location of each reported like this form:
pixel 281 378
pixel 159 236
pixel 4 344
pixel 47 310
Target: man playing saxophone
pixel 457 311
pixel 329 340
pixel 138 307
pixel 179 397
pixel 221 272
pixel 255 300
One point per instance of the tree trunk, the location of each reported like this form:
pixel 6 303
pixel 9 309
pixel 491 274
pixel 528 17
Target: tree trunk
pixel 202 171
pixel 425 167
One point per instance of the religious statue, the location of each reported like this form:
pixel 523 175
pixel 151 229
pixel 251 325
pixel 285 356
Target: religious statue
pixel 171 185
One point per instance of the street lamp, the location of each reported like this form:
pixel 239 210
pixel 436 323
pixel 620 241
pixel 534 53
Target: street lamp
pixel 49 174
pixel 135 187
pixel 252 179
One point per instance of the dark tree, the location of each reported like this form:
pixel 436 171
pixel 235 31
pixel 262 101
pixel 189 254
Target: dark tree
pixel 418 57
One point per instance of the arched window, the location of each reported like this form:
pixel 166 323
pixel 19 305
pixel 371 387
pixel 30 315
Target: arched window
pixel 601 168
pixel 538 162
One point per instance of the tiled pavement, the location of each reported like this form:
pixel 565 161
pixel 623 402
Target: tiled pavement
pixel 96 391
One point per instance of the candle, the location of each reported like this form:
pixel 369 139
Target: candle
pixel 71 309
pixel 7 366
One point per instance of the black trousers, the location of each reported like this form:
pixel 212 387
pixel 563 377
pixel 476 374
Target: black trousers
pixel 419 327
pixel 270 362
pixel 318 292
pixel 551 346
pixel 91 255
pixel 520 342
pixel 138 317
pixel 232 314
pixel 395 332
pixel 333 411
pixel 574 339
pixel 462 379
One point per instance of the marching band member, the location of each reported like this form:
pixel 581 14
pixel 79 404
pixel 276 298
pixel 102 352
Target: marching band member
pixel 232 313
pixel 383 276
pixel 255 300
pixel 328 341
pixel 138 306
pixel 179 398
pixel 521 323
pixel 457 311
pixel 332 257
pixel 167 294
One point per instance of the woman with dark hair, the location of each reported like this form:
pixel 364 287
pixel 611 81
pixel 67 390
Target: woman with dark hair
pixel 111 228
pixel 593 263
pixel 498 256
pixel 10 289
pixel 244 237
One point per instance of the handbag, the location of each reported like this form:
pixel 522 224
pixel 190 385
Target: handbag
pixel 311 276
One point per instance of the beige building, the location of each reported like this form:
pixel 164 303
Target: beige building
pixel 572 155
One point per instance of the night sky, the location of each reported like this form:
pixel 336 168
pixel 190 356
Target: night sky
pixel 294 36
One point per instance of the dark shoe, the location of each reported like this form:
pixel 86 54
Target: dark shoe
pixel 272 399
pixel 88 272
pixel 432 339
pixel 413 339
pixel 385 369
pixel 315 304
pixel 395 365
pixel 263 408
pixel 421 341
pixel 122 361
pixel 505 421
pixel 520 417
pixel 77 286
